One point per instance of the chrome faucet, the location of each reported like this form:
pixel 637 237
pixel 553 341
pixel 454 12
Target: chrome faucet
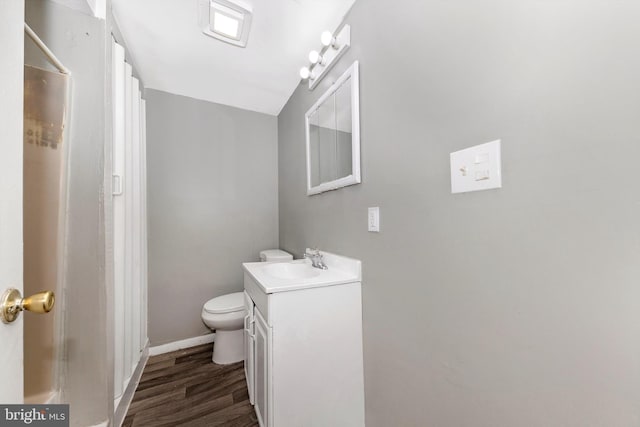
pixel 316 258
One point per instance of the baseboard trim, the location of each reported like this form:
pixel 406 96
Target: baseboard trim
pixel 179 345
pixel 127 396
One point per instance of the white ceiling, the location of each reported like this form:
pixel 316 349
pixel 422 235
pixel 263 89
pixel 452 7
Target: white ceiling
pixel 173 55
pixel 95 8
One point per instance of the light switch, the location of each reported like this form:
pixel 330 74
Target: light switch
pixel 482 175
pixel 374 219
pixel 482 158
pixel 476 168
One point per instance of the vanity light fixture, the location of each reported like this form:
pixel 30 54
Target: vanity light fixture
pixel 226 20
pixel 327 39
pixel 305 73
pixel 322 61
pixel 316 58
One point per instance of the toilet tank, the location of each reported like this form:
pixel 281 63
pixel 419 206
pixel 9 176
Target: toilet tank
pixel 275 255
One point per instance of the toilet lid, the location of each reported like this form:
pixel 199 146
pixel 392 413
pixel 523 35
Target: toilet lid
pixel 225 303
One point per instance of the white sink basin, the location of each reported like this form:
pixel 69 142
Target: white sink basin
pixel 291 271
pixel 299 274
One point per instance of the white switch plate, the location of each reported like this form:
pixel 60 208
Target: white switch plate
pixel 476 168
pixel 374 219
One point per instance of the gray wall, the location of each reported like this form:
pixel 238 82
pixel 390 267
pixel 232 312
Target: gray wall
pixel 78 40
pixel 512 307
pixel 212 203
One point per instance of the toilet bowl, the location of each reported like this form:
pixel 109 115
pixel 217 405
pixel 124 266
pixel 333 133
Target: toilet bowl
pixel 225 315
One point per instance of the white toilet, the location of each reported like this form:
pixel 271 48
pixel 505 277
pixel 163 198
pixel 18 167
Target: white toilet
pixel 225 315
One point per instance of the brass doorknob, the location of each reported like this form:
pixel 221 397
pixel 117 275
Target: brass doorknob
pixel 12 303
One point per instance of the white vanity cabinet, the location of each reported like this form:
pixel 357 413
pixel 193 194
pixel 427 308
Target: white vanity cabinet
pixel 304 353
pixel 249 346
pixel 262 368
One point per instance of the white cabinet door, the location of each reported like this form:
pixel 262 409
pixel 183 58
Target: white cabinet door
pixel 262 369
pixel 249 351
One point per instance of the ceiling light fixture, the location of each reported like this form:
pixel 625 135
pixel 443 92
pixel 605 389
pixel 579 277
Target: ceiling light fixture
pixel 226 20
pixel 227 24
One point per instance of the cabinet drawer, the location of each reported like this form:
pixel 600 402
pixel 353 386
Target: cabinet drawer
pixel 259 298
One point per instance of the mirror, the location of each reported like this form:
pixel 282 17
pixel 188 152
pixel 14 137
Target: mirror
pixel 333 136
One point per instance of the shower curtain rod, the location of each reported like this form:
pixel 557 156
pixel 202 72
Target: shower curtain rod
pixel 43 47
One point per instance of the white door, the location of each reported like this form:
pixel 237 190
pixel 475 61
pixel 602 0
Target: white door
pixel 262 369
pixel 11 121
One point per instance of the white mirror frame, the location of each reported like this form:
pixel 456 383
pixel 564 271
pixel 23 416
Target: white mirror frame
pixel 353 74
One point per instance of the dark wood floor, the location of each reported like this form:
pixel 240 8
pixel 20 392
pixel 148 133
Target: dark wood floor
pixel 185 388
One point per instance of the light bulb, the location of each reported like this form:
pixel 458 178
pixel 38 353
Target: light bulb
pixel 327 38
pixel 315 57
pixel 304 73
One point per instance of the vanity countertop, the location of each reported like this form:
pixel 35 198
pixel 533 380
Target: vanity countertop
pixel 275 277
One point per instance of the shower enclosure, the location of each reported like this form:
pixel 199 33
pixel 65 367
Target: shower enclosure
pixel 54 364
pixel 129 231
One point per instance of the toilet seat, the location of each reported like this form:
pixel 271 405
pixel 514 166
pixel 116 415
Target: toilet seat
pixel 225 303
